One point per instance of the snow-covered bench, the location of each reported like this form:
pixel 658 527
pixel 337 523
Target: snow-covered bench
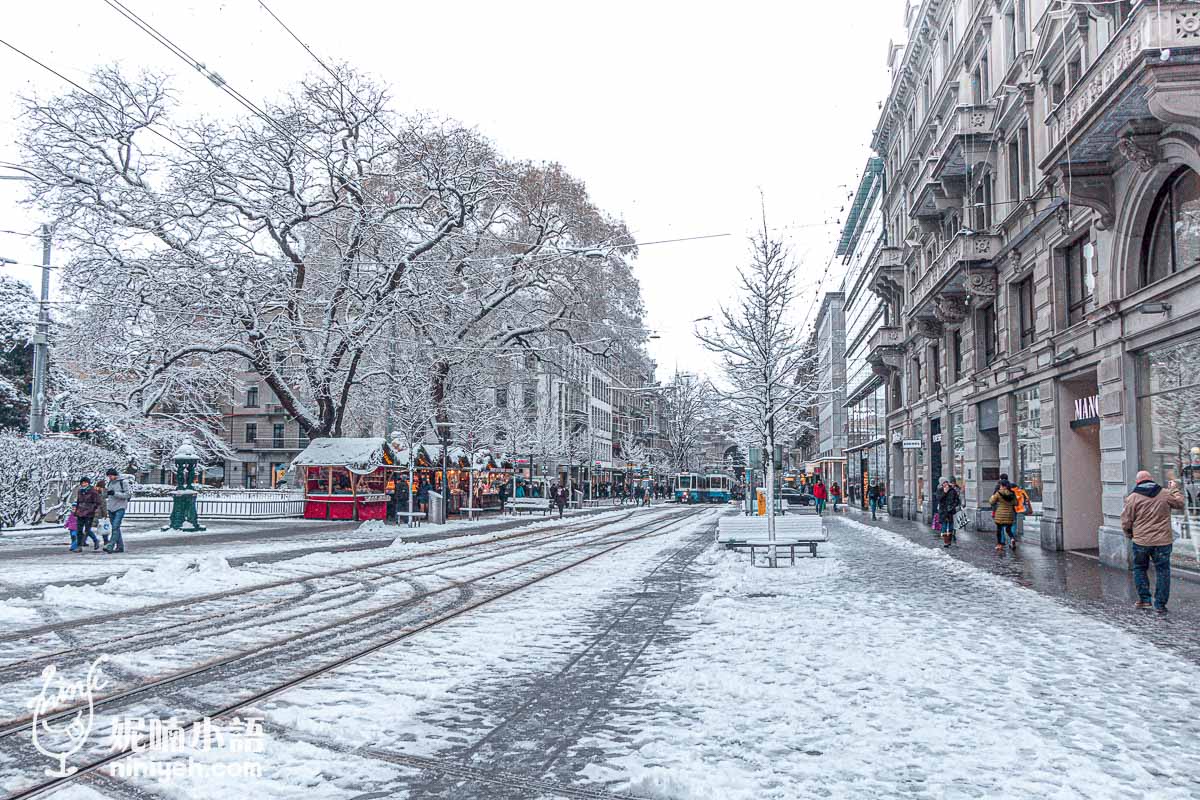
pixel 528 504
pixel 791 532
pixel 412 518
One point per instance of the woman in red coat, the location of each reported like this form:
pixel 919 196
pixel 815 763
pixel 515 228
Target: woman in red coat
pixel 835 495
pixel 820 495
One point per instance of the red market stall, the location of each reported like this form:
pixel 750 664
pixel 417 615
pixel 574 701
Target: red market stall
pixel 346 478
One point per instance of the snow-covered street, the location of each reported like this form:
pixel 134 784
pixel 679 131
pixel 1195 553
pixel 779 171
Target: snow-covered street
pixel 649 664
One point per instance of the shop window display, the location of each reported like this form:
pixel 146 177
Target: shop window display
pixel 1169 426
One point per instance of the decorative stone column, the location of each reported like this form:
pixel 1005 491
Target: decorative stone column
pixel 1116 441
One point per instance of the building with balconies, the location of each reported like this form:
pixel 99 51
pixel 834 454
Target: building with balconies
pixel 1042 211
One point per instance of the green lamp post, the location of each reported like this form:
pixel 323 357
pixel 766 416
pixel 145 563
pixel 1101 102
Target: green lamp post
pixel 183 499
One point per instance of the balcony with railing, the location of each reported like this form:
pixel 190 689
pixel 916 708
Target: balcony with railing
pixel 963 267
pixel 886 272
pixel 1144 78
pixel 885 350
pixel 964 141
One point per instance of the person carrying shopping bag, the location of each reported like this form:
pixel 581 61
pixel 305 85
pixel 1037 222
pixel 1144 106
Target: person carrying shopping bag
pixel 86 505
pixel 117 499
pixel 949 502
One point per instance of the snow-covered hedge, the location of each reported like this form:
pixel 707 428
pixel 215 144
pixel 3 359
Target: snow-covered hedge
pixel 35 476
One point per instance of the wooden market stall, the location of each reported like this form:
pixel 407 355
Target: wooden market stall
pixel 346 478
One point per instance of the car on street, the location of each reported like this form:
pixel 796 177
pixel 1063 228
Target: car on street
pixel 796 497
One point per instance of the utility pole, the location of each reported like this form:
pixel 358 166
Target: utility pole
pixel 41 347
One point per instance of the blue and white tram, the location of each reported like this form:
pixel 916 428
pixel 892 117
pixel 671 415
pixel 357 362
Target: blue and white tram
pixel 687 487
pixel 716 487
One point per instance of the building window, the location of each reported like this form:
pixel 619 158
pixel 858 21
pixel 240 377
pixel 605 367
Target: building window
pixel 1028 430
pixel 252 397
pixel 916 378
pixel 277 435
pixel 1014 171
pixel 251 432
pixel 1081 285
pixel 1168 389
pixel 956 353
pixel 1173 240
pixel 1058 90
pixel 935 360
pixel 1026 320
pixel 986 333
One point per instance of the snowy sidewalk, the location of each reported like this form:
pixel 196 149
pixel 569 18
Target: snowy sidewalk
pixel 1079 581
pixel 889 669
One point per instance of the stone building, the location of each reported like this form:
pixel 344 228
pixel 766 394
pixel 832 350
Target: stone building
pixel 830 330
pixel 1040 267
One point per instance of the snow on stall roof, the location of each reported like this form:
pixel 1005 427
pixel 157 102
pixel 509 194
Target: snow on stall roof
pixel 360 456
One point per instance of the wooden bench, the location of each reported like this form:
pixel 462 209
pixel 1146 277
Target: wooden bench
pixel 528 504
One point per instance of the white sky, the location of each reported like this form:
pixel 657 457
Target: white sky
pixel 675 114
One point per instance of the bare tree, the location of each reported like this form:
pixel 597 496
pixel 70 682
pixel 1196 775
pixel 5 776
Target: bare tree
pixel 475 422
pixel 275 244
pixel 687 403
pixel 764 357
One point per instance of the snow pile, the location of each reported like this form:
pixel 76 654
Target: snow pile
pixel 891 670
pixel 16 615
pixel 171 575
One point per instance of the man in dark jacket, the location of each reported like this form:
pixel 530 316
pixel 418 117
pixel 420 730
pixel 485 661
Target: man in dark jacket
pixel 1146 520
pixel 948 505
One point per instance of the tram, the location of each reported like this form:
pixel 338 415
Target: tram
pixel 687 487
pixel 709 487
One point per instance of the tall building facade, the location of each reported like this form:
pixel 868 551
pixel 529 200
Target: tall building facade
pixel 1039 272
pixel 865 314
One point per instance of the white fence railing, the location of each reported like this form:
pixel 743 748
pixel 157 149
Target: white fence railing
pixel 222 507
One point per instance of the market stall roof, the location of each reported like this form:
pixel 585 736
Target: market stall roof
pixel 360 456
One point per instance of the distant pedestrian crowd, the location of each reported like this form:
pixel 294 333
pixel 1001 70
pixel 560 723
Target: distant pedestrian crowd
pixel 99 508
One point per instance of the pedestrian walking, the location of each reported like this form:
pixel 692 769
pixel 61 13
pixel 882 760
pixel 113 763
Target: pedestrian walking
pixel 820 495
pixel 1004 503
pixel 86 505
pixel 102 524
pixel 873 499
pixel 1146 519
pixel 423 496
pixel 72 526
pixel 118 492
pixel 835 495
pixel 949 502
pixel 560 500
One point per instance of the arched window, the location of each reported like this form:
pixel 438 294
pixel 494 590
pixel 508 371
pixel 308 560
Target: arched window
pixel 1173 238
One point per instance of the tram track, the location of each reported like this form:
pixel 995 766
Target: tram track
pixel 470 594
pixel 359 618
pixel 293 607
pixel 134 617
